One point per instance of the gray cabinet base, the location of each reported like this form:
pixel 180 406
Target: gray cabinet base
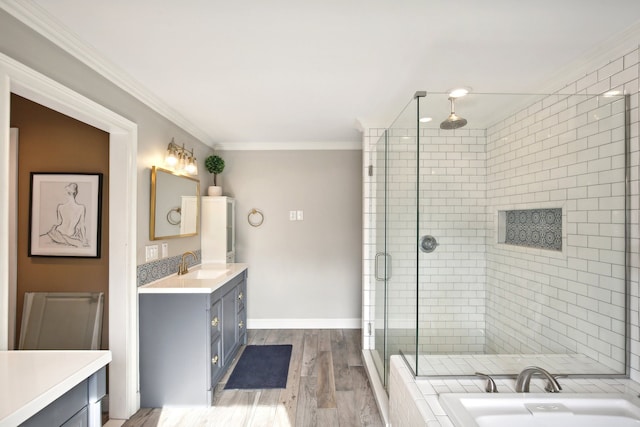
pixel 184 349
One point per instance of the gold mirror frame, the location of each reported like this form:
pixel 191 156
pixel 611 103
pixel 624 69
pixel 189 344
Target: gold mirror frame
pixel 175 205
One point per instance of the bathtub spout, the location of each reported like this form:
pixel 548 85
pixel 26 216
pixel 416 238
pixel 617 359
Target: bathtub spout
pixel 524 378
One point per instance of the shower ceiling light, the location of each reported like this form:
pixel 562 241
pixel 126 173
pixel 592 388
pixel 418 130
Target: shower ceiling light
pixel 425 119
pixel 458 93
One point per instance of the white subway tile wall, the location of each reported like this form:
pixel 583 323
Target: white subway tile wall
pixel 571 155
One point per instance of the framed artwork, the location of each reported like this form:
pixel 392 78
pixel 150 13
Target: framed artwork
pixel 65 214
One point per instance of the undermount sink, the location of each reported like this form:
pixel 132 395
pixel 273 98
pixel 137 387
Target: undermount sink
pixel 205 274
pixel 541 409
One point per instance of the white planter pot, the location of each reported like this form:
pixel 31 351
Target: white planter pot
pixel 214 190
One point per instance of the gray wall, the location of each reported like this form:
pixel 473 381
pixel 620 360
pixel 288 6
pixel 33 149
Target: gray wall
pixel 154 131
pixel 299 270
pixel 309 269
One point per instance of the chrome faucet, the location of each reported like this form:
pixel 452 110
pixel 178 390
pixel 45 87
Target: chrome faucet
pixel 524 378
pixel 182 267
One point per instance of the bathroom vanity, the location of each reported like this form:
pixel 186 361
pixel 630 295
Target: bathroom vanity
pixel 191 328
pixel 52 388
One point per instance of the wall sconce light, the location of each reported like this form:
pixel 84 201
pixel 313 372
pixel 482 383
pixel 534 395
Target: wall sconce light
pixel 180 159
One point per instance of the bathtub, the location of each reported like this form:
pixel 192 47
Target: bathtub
pixel 541 409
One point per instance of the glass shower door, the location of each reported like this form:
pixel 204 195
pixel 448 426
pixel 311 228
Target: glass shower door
pixel 401 243
pixel 396 264
pixel 380 356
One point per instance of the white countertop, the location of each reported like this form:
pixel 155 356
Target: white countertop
pixel 203 278
pixel 31 380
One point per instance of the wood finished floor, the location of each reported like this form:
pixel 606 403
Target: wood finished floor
pixel 327 386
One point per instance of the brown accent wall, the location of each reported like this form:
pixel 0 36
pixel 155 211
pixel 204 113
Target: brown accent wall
pixel 52 142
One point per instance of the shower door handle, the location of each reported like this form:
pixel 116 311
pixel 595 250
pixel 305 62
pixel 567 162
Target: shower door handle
pixel 376 268
pixel 387 264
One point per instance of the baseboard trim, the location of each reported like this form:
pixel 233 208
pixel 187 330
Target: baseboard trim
pixel 304 323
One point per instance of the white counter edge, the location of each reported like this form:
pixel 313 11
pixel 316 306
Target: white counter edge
pixel 20 415
pixel 207 286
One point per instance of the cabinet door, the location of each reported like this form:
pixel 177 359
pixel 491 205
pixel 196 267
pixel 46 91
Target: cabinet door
pixel 230 323
pixel 242 312
pixel 216 319
pixel 231 234
pixel 216 361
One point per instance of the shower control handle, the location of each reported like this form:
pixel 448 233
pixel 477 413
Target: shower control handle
pixel 428 244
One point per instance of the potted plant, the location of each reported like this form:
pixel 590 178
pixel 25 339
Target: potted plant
pixel 214 165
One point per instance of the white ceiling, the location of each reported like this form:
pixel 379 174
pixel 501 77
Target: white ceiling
pixel 296 71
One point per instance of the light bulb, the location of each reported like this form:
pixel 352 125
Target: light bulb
pixel 190 167
pixel 181 162
pixel 170 158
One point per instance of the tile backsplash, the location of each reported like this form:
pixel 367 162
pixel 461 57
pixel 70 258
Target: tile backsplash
pixel 155 270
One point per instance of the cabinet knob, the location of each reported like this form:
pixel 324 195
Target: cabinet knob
pixel 214 360
pixel 240 296
pixel 215 321
pixel 241 324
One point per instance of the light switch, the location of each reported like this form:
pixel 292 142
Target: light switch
pixel 292 215
pixel 151 252
pixel 300 215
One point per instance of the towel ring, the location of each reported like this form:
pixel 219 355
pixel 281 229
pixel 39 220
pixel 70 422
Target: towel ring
pixel 255 218
pixel 174 216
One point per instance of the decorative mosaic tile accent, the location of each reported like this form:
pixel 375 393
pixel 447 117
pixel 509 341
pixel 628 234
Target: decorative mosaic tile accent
pixel 536 228
pixel 154 270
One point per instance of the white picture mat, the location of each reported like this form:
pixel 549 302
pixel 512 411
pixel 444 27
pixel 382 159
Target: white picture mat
pixel 49 192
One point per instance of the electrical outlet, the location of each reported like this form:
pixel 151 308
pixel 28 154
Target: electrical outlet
pixel 299 215
pixel 292 215
pixel 151 252
pixel 165 250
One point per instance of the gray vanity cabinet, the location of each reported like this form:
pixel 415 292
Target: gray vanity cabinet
pixel 234 331
pixel 187 341
pixel 79 407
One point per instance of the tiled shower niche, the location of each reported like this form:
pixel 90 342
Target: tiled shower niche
pixel 533 228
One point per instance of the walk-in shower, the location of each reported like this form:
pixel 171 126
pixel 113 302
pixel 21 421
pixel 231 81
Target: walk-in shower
pixel 501 244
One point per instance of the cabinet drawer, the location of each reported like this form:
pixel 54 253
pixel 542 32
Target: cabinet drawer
pixel 81 419
pixel 61 410
pixel 217 361
pixel 216 318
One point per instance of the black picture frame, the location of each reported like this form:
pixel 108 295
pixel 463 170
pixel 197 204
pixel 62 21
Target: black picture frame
pixel 65 214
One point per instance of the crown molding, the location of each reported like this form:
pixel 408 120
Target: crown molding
pixel 610 49
pixel 293 146
pixel 43 23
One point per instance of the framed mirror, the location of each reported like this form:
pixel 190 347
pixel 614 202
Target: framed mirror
pixel 175 205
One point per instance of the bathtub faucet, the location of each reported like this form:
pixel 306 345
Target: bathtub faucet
pixel 490 387
pixel 524 378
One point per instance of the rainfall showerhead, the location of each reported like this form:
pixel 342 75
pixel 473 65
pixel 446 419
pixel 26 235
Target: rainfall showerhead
pixel 453 121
